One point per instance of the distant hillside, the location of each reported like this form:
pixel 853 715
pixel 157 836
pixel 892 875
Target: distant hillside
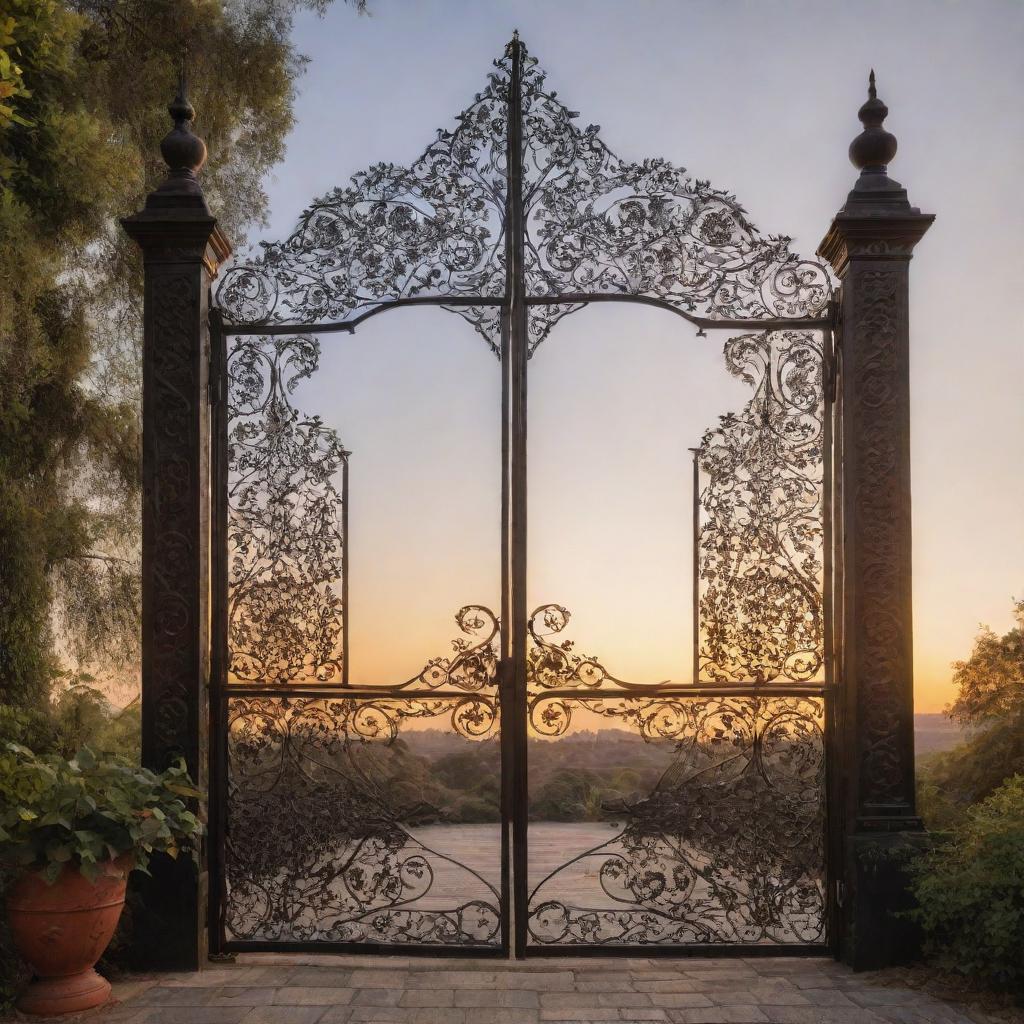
pixel 932 733
pixel 935 732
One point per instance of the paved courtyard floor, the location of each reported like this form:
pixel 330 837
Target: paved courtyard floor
pixel 271 989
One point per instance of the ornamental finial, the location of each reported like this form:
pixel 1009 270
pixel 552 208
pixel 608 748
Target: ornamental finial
pixel 183 151
pixel 872 150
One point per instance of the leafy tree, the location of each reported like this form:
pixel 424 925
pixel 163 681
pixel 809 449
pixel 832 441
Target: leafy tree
pixel 83 87
pixel 990 703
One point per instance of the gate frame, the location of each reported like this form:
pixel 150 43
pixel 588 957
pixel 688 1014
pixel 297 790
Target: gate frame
pixel 871 778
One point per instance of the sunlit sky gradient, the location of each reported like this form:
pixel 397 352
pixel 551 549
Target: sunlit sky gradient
pixel 761 98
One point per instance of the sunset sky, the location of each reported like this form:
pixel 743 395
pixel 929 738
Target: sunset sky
pixel 762 99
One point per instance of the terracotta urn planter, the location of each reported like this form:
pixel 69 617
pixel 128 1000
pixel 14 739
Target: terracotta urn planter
pixel 61 930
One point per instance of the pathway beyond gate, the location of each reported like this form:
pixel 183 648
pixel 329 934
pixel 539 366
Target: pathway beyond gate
pixel 323 989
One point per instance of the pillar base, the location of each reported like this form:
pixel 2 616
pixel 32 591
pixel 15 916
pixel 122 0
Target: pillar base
pixel 168 919
pixel 878 932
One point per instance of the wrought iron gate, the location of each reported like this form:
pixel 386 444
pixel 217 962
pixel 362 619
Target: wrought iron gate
pixel 513 220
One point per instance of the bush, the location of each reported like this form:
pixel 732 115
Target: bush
pixel 970 893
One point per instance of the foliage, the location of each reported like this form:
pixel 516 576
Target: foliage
pixel 970 892
pixel 83 90
pixel 87 810
pixel 990 702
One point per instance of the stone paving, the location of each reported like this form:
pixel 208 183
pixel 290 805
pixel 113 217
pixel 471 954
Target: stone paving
pixel 271 989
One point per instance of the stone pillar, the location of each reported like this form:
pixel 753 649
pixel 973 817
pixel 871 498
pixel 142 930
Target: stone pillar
pixel 181 246
pixel 869 245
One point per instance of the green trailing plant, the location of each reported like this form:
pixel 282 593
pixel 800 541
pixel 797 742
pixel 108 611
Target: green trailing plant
pixel 88 810
pixel 970 892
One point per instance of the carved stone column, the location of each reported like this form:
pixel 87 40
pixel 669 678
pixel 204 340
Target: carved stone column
pixel 869 245
pixel 181 246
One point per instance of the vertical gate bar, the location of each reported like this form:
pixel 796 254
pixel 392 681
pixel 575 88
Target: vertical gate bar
pixel 832 854
pixel 695 611
pixel 506 695
pixel 344 571
pixel 217 811
pixel 517 337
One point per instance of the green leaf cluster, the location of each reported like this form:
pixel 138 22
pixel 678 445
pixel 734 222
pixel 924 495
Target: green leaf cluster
pixel 990 702
pixel 88 810
pixel 84 86
pixel 970 892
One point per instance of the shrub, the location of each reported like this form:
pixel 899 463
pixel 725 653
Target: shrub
pixel 970 892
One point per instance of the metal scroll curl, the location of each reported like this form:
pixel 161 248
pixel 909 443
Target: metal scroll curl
pixel 729 846
pixel 316 845
pixel 593 226
pixel 285 541
pixel 760 518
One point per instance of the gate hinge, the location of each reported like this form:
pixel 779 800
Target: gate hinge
pixel 840 893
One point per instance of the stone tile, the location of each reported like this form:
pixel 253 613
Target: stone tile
pixel 826 997
pixel 553 981
pixel 284 1015
pixel 427 997
pixel 554 1000
pixel 293 996
pixel 816 981
pixel 605 986
pixel 624 999
pixel 242 995
pixel 720 1015
pixel 377 996
pixel 448 979
pixel 192 1014
pixel 642 1013
pixel 333 1014
pixel 676 1000
pixel 584 1013
pixel 760 995
pixel 922 1013
pixel 502 1015
pixel 515 998
pixel 667 985
pixel 336 978
pixel 820 1015
pixel 437 1015
pixel 884 996
pixel 357 979
pixel 608 975
pixel 179 995
pixel 381 1014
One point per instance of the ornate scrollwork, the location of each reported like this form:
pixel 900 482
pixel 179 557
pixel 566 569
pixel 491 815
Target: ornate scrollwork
pixel 285 542
pixel 593 226
pixel 475 664
pixel 316 846
pixel 728 848
pixel 551 665
pixel 760 529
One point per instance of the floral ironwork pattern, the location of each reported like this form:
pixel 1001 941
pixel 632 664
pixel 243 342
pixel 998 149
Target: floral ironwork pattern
pixel 474 663
pixel 593 225
pixel 316 845
pixel 760 508
pixel 729 846
pixel 285 541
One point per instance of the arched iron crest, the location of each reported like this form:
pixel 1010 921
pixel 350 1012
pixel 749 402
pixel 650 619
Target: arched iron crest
pixel 520 195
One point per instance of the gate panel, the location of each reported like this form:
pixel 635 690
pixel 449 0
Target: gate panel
pixel 688 812
pixel 727 847
pixel 359 775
